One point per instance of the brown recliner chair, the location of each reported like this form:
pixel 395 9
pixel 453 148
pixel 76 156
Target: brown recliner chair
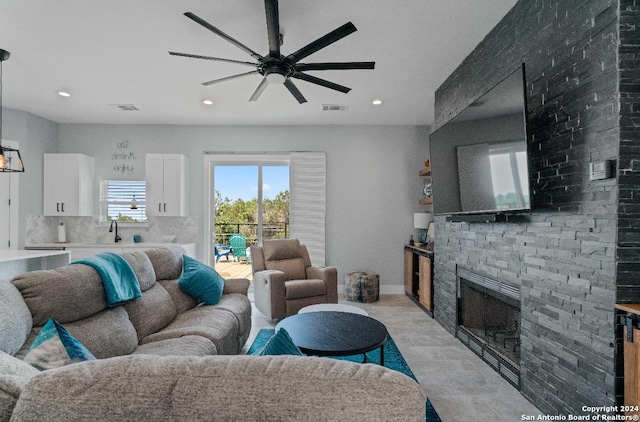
pixel 284 280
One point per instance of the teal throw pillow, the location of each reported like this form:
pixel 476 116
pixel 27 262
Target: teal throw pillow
pixel 54 347
pixel 200 281
pixel 279 344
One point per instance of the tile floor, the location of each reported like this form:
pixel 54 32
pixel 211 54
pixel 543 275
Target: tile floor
pixel 460 386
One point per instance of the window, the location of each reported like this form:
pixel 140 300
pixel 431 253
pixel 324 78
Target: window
pixel 124 201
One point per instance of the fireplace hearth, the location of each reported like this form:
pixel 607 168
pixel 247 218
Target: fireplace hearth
pixel 488 321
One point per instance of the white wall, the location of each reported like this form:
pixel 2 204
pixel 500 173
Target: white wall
pixel 36 136
pixel 372 181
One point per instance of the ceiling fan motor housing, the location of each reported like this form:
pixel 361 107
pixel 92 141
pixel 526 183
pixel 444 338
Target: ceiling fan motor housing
pixel 276 67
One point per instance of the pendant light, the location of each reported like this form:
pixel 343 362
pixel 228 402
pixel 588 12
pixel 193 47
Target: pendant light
pixel 10 159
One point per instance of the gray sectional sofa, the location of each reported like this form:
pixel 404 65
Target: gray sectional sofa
pixel 164 321
pixel 160 358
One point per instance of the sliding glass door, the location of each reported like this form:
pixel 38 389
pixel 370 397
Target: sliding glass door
pixel 249 196
pixel 251 200
pixel 265 196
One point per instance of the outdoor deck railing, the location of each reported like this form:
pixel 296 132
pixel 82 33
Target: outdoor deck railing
pixel 223 231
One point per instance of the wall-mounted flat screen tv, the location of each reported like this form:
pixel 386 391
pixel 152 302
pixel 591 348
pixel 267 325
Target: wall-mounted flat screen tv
pixel 479 158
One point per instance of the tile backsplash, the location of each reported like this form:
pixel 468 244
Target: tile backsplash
pixel 42 229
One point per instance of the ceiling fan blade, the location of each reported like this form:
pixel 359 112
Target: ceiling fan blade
pixel 301 67
pixel 273 27
pixel 228 78
pixel 320 82
pixel 259 90
pixel 217 59
pixel 294 91
pixel 223 35
pixel 322 42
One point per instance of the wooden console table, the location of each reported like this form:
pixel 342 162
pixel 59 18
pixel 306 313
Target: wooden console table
pixel 418 276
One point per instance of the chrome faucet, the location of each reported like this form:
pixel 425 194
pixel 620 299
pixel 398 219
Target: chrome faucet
pixel 118 238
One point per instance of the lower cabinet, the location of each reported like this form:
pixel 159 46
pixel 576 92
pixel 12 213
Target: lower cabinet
pixel 425 282
pixel 631 358
pixel 632 371
pixel 418 276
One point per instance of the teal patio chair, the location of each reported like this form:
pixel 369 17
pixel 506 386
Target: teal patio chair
pixel 238 245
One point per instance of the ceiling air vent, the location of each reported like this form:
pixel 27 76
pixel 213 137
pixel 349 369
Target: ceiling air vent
pixel 125 107
pixel 334 107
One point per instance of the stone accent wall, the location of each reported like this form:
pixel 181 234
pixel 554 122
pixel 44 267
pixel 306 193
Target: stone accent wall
pixel 628 251
pixel 628 276
pixel 563 255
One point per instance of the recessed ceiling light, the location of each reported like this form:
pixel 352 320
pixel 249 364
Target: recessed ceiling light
pixel 207 102
pixel 377 101
pixel 63 93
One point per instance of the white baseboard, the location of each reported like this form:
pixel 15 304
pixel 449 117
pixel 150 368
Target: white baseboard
pixel 384 289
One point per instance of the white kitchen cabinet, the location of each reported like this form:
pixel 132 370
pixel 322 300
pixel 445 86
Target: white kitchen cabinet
pixel 167 185
pixel 68 185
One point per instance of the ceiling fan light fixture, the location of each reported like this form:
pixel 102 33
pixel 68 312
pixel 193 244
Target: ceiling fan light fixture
pixel 274 66
pixel 276 78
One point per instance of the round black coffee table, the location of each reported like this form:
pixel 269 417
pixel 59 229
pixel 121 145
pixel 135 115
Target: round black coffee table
pixel 331 333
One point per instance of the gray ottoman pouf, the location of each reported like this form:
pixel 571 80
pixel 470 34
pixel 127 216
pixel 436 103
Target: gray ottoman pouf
pixel 362 286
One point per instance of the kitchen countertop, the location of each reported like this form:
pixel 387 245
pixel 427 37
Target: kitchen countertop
pixel 106 245
pixel 18 255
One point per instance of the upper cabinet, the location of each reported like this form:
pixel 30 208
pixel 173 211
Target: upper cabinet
pixel 68 185
pixel 167 185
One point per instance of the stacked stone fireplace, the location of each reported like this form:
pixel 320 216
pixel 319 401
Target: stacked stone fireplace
pixel 488 321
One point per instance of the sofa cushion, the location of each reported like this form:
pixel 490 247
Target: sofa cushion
pixel 55 347
pixel 279 344
pixel 277 249
pixel 15 317
pixel 14 375
pixel 200 281
pixel 151 312
pixel 107 334
pixel 240 307
pixel 218 325
pixel 223 388
pixel 67 293
pixel 181 300
pixel 293 268
pixel 142 267
pixel 167 262
pixel 181 346
pixel 297 289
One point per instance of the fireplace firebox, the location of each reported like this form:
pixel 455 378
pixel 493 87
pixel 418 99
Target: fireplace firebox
pixel 488 321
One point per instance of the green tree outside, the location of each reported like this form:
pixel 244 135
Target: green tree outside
pixel 240 216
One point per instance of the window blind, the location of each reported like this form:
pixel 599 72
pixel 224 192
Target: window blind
pixel 126 200
pixel 307 202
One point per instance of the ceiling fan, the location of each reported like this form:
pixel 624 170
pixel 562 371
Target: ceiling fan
pixel 277 68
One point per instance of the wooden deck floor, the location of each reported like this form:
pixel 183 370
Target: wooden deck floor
pixel 230 269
